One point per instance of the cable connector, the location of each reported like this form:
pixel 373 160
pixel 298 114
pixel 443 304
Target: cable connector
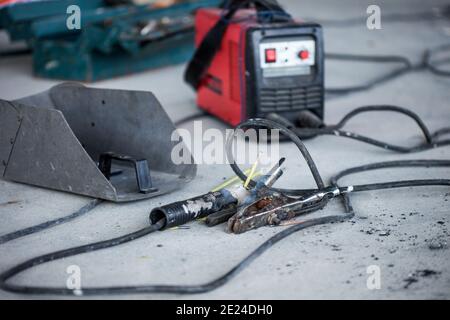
pixel 308 120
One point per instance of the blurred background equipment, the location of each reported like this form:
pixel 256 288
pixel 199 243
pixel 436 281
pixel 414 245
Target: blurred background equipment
pixel 115 38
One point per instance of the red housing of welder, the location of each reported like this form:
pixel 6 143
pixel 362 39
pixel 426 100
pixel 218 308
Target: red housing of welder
pixel 237 86
pixel 222 92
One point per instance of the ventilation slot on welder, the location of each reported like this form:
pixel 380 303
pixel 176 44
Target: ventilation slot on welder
pixel 272 100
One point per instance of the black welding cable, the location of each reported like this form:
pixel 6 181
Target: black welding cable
pixel 387 165
pixel 431 140
pixel 49 224
pixel 126 238
pixel 305 132
pixel 440 132
pixel 441 13
pixel 68 253
pixel 174 289
pixel 225 278
pixel 337 129
pixel 434 64
pixel 427 63
pixel 259 122
pixel 388 146
pixel 369 58
pixel 390 185
pixel 188 289
pixel 194 289
pixel 405 66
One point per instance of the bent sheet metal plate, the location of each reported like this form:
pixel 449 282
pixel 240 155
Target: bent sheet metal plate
pixel 63 131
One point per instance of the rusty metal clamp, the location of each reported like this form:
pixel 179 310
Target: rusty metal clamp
pixel 274 207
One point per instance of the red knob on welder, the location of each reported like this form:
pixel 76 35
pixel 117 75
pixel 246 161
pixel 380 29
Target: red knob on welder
pixel 303 54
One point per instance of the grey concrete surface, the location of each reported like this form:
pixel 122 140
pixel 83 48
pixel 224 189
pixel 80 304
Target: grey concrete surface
pixel 393 229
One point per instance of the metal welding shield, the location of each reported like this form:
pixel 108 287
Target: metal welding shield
pixel 109 144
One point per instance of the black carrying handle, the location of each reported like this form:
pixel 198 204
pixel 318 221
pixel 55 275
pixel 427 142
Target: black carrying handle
pixel 208 48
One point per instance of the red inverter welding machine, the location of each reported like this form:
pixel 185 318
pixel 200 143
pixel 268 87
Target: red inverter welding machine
pixel 253 60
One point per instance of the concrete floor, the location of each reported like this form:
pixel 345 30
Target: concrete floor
pixel 326 262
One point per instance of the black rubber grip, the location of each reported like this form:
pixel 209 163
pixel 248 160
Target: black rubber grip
pixel 181 212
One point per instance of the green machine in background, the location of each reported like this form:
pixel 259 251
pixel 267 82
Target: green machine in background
pixel 115 38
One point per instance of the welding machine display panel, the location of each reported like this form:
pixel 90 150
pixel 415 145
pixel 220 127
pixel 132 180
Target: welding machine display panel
pixel 287 57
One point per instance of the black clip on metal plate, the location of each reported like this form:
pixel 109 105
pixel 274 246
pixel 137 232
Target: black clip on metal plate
pixel 143 177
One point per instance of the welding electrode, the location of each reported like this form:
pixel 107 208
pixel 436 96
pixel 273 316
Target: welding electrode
pixel 181 212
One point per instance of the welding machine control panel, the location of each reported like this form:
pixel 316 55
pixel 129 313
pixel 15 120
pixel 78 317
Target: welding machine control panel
pixel 287 57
